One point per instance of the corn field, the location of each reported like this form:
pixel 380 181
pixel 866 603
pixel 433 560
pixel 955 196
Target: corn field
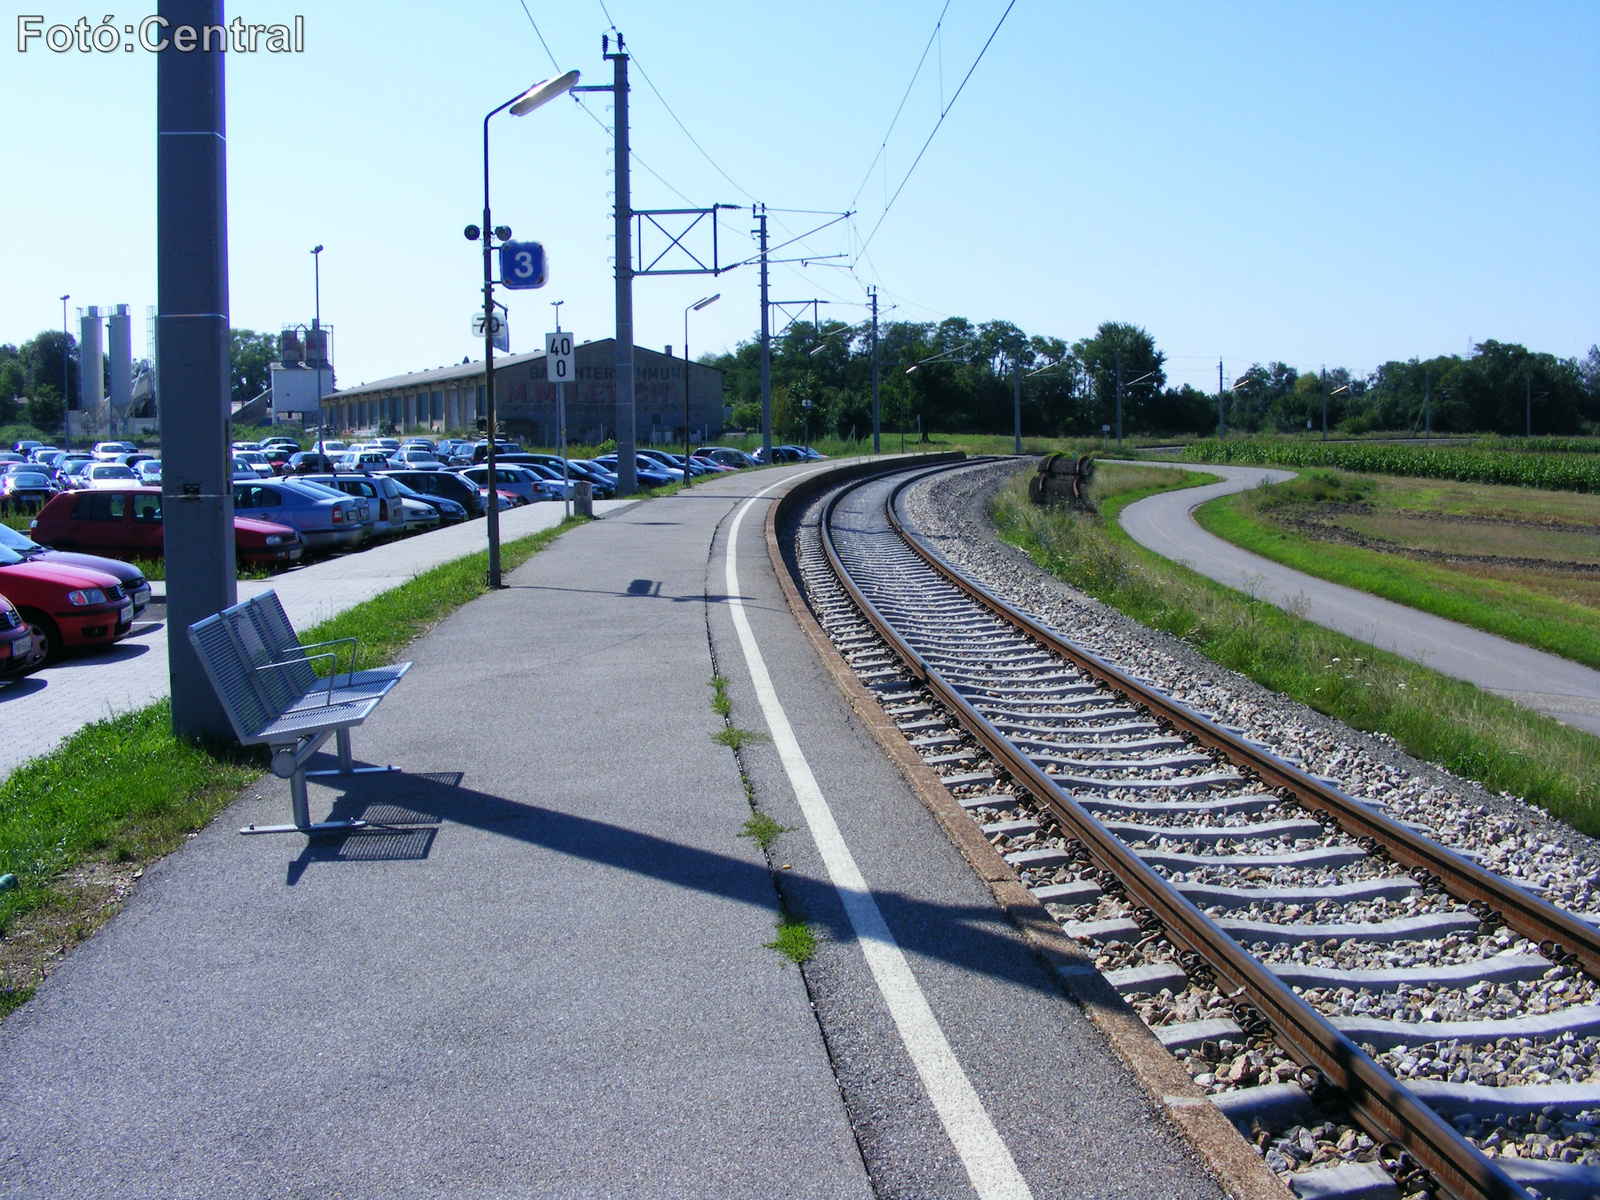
pixel 1554 472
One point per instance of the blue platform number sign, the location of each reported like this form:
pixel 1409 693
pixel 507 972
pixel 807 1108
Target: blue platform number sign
pixel 523 265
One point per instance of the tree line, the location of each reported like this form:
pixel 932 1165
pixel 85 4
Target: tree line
pixel 965 375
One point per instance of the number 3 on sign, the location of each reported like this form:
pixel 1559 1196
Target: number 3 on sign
pixel 558 357
pixel 523 265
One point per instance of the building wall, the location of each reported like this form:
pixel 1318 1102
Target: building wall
pixel 525 402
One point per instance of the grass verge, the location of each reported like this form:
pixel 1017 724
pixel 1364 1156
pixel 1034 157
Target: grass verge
pixel 1499 606
pixel 1433 717
pixel 78 825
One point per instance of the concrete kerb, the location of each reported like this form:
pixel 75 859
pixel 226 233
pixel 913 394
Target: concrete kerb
pixel 1220 1145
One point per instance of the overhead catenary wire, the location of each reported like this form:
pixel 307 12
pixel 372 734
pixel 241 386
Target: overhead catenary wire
pixel 884 146
pixel 944 112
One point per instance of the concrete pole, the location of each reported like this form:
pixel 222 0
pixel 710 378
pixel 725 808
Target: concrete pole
pixel 1324 403
pixel 873 292
pixel 1222 421
pixel 192 327
pixel 627 445
pixel 1016 403
pixel 1119 399
pixel 766 347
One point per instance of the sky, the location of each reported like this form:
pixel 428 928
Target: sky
pixel 1314 183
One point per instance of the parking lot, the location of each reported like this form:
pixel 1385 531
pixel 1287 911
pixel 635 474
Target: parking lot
pixel 58 700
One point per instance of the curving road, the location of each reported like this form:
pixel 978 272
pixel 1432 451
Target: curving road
pixel 1544 682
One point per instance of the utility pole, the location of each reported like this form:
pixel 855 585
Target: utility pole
pixel 1324 403
pixel 627 448
pixel 1119 400
pixel 1222 423
pixel 316 324
pixel 760 214
pixel 192 331
pixel 1528 379
pixel 1016 404
pixel 66 404
pixel 872 292
pixel 1427 407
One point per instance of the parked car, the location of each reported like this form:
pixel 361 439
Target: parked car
pixel 325 520
pixel 382 493
pixel 330 447
pixel 419 515
pixel 605 483
pixel 26 446
pixel 132 579
pixel 673 464
pixel 443 485
pixel 727 455
pixel 251 463
pixel 106 474
pixel 132 460
pixel 25 485
pixel 71 467
pixel 149 471
pixel 65 606
pixel 309 462
pixel 241 446
pixel 416 458
pixel 281 443
pixel 481 450
pixel 20 653
pixel 384 443
pixel 7 457
pixel 127 524
pixel 601 480
pixel 108 451
pixel 278 459
pixel 648 474
pixel 427 444
pixel 362 460
pixel 449 512
pixel 38 453
pixel 515 480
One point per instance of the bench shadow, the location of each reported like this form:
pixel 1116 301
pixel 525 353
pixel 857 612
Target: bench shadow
pixel 973 937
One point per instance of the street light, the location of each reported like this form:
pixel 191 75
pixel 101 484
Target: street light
pixel 522 105
pixel 66 422
pixel 695 307
pixel 316 325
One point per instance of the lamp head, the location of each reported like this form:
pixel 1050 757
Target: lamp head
pixel 543 93
pixel 709 300
pixel 472 233
pixel 316 249
pixel 503 232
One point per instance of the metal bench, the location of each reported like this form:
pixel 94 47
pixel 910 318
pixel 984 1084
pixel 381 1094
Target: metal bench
pixel 273 696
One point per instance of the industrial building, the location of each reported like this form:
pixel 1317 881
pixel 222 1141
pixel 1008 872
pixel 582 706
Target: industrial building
pixel 525 404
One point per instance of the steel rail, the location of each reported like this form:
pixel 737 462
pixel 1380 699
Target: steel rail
pixel 1387 1109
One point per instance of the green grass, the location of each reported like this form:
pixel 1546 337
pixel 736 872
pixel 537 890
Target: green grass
pixel 1499 606
pixel 125 790
pixel 972 443
pixel 1556 472
pixel 1443 720
pixel 735 738
pixel 795 940
pixel 763 830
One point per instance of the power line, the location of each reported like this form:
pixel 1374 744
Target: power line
pixel 942 115
pixel 885 144
pixel 685 129
pixel 539 35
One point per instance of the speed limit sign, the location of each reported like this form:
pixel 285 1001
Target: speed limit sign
pixel 558 357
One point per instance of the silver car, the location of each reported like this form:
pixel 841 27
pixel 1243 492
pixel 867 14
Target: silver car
pixel 385 504
pixel 325 520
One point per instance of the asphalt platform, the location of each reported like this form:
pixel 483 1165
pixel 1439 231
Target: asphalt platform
pixel 546 976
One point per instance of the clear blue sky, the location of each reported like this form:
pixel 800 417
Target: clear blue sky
pixel 1318 183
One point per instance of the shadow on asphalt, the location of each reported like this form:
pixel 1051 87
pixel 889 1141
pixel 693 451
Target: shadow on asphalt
pixel 976 938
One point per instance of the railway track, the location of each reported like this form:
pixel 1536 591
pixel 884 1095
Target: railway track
pixel 1300 950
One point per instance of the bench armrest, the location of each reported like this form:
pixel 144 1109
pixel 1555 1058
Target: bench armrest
pixel 354 649
pixel 278 666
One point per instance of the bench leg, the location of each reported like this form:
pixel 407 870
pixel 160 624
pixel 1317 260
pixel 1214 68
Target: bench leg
pixel 300 803
pixel 346 762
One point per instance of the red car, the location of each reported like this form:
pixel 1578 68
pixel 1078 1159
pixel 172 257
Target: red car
pixel 126 523
pixel 20 652
pixel 65 605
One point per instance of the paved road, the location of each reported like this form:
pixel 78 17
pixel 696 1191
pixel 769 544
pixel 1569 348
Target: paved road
pixel 60 700
pixel 1544 682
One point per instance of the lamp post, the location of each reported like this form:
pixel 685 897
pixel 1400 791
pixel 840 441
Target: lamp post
pixel 520 105
pixel 316 326
pixel 695 307
pixel 66 408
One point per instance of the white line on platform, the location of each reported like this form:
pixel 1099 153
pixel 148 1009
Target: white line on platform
pixel 983 1152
